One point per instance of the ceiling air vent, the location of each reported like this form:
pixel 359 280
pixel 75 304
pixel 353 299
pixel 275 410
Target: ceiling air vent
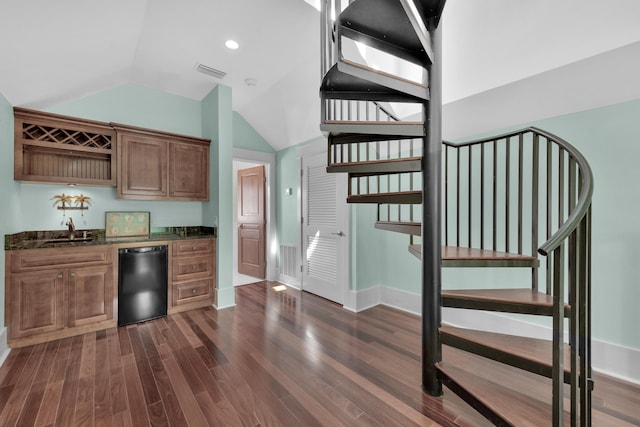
pixel 204 69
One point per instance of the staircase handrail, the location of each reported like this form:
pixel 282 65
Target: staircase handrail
pixel 584 198
pixel 586 189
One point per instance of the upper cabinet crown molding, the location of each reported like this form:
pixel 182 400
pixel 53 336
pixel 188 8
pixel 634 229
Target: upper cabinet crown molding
pixel 123 128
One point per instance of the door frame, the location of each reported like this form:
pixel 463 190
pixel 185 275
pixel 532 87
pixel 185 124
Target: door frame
pixel 317 147
pixel 269 162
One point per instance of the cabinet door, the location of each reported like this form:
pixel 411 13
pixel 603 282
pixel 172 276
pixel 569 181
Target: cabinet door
pixel 142 166
pixel 189 171
pixel 90 295
pixel 35 303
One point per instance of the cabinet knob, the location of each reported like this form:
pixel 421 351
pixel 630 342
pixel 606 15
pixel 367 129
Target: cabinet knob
pixel 193 248
pixel 59 276
pixel 73 274
pixel 193 267
pixel 193 291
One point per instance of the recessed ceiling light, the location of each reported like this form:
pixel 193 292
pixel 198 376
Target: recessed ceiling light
pixel 250 81
pixel 232 44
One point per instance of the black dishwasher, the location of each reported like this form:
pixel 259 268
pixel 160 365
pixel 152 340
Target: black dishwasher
pixel 142 284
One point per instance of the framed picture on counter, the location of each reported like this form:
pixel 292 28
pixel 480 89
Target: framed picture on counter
pixel 127 224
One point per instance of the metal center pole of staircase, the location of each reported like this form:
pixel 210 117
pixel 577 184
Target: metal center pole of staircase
pixel 431 220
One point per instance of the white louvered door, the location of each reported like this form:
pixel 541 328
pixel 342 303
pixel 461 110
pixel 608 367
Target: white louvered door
pixel 324 237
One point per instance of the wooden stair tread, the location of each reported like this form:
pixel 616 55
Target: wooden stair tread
pixel 454 252
pixel 453 256
pixel 413 228
pixel 525 301
pixel 530 354
pixel 501 405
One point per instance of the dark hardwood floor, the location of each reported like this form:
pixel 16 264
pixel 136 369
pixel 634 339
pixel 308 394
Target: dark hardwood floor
pixel 276 359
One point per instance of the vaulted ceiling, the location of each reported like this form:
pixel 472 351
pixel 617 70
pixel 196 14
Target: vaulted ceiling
pixel 563 55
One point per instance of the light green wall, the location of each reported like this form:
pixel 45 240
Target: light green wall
pixel 246 137
pixel 368 248
pixel 9 212
pixel 217 124
pixel 287 174
pixel 138 106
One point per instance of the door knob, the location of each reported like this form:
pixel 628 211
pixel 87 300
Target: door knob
pixel 339 233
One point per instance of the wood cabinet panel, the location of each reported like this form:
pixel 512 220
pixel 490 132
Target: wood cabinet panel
pixel 58 257
pixel 193 247
pixel 189 174
pixel 35 303
pixel 192 292
pixel 188 268
pixel 90 295
pixel 143 166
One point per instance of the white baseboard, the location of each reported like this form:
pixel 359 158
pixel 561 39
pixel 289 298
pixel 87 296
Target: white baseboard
pixel 4 347
pixel 610 359
pixel 293 282
pixel 225 298
pixel 361 300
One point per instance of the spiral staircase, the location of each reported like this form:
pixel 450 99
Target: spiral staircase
pixel 518 200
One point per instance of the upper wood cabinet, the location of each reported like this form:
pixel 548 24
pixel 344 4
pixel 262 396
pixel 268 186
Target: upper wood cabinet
pixel 161 166
pixel 51 148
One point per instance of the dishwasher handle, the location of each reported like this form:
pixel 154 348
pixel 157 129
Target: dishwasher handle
pixel 144 249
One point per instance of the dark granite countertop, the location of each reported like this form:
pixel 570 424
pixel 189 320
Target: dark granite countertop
pixel 59 238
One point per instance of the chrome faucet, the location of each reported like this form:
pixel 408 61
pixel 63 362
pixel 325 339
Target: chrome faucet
pixel 72 228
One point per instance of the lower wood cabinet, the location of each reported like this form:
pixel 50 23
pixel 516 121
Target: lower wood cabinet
pixel 56 293
pixel 193 274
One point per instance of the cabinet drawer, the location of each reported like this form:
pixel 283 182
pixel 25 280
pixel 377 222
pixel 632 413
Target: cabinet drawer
pixel 183 293
pixel 32 259
pixel 186 268
pixel 193 247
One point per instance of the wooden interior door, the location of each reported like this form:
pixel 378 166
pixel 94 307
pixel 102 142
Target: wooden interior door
pixel 251 222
